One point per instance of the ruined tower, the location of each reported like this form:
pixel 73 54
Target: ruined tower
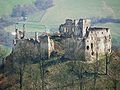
pixel 36 36
pixel 77 28
pixel 81 27
pixel 90 43
pixel 19 35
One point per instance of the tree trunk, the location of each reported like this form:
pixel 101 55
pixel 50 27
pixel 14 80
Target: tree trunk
pixel 115 85
pixel 21 75
pixel 22 67
pixel 3 66
pixel 42 73
pixel 94 82
pixel 81 84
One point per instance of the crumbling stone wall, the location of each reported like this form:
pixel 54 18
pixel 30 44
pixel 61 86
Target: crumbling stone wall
pixel 74 49
pixel 95 41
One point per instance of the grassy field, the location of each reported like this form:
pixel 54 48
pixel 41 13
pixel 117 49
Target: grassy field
pixel 68 9
pixel 7 5
pixel 81 8
pixel 30 27
pixel 64 9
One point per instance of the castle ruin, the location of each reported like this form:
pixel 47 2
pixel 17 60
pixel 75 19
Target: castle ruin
pixel 43 43
pixel 81 41
pixel 84 42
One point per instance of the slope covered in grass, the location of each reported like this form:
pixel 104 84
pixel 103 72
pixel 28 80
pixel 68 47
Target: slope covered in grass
pixel 81 8
pixel 6 6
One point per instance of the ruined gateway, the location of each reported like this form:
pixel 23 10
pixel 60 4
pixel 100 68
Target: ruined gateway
pixel 81 41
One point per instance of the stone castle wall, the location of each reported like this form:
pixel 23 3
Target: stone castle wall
pixel 95 41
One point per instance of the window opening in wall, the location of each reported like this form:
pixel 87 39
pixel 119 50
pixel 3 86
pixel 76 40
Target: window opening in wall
pixel 92 53
pixel 91 45
pixel 87 47
pixel 102 32
pixel 86 29
pixel 109 50
pixel 105 38
pixel 107 30
pixel 81 31
pixel 66 29
pixel 109 37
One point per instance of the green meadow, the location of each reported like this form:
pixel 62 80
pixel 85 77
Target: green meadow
pixel 6 6
pixel 64 9
pixel 81 9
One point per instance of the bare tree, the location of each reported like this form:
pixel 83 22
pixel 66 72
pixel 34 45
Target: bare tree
pixel 23 55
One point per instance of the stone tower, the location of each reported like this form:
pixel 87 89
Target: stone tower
pixel 46 46
pixel 82 27
pixel 19 34
pixel 88 43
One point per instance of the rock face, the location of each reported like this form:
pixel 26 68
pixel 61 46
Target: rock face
pixel 84 42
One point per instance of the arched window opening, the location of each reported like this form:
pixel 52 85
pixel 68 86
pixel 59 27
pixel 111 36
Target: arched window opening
pixel 105 38
pixel 87 47
pixel 109 50
pixel 92 53
pixel 91 45
pixel 107 30
pixel 86 29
